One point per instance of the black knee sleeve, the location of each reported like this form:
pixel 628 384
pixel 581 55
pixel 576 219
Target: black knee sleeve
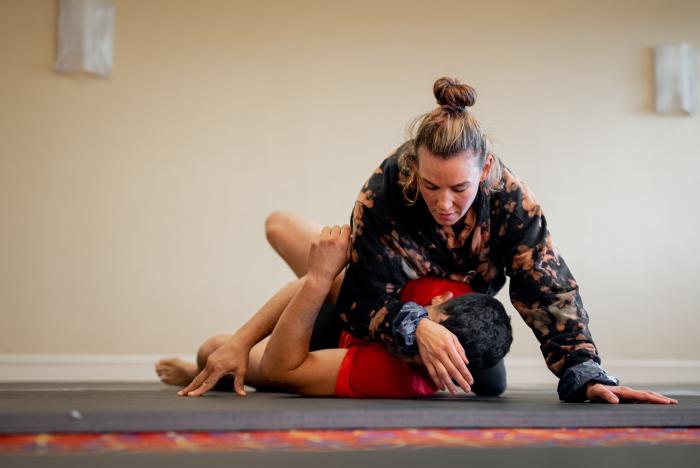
pixel 491 381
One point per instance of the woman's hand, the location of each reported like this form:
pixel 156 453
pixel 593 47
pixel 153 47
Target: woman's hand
pixel 230 358
pixel 443 356
pixel 329 254
pixel 600 393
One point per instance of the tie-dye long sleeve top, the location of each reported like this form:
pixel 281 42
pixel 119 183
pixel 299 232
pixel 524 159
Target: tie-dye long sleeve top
pixel 504 233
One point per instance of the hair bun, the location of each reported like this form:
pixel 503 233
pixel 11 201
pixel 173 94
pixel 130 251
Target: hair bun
pixel 453 95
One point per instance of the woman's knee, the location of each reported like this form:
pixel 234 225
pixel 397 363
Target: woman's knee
pixel 208 347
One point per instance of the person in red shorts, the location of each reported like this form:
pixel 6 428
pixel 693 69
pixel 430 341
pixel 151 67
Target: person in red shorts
pixel 361 368
pixel 366 359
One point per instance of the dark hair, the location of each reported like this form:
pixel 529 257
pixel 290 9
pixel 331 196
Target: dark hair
pixel 482 326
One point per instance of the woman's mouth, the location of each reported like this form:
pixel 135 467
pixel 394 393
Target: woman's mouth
pixel 446 216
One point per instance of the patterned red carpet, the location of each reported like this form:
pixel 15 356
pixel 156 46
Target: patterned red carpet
pixel 337 440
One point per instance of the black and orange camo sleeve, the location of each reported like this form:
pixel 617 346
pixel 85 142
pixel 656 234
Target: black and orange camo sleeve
pixel 368 303
pixel 543 290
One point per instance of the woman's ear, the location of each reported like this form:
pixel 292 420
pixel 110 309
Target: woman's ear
pixel 444 297
pixel 487 168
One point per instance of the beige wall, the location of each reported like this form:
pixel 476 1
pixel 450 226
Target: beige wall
pixel 132 208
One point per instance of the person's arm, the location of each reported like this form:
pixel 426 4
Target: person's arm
pixel 597 392
pixel 287 361
pixel 368 303
pixel 544 292
pixel 232 356
pixel 546 295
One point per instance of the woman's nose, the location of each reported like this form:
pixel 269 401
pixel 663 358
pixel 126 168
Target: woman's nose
pixel 444 202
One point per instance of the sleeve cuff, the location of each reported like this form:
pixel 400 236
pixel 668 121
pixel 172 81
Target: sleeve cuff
pixel 404 327
pixel 572 385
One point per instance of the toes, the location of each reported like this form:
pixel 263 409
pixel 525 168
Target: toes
pixel 163 363
pixel 167 362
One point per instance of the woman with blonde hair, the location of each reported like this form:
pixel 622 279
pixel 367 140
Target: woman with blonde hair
pixel 443 205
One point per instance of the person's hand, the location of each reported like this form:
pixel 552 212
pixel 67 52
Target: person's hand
pixel 597 392
pixel 329 254
pixel 443 356
pixel 230 358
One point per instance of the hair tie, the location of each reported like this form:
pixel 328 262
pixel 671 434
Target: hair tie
pixel 454 109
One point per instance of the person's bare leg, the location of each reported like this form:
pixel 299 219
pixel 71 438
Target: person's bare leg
pixel 253 376
pixel 291 236
pixel 176 371
pixel 335 289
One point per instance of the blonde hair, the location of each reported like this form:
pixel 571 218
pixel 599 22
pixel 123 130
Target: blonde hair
pixel 446 131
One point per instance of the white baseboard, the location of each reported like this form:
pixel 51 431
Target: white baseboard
pixel 78 368
pixel 140 368
pixel 629 371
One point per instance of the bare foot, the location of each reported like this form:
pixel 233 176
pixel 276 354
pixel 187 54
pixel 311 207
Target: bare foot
pixel 175 371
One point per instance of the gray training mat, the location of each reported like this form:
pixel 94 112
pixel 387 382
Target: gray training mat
pixel 31 408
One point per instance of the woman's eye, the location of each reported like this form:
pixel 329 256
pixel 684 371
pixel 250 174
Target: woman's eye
pixel 461 189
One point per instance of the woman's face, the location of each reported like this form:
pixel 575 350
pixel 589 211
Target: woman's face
pixel 449 186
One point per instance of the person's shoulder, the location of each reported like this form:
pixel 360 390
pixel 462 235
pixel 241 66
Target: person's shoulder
pixel 385 180
pixel 509 182
pixel 514 198
pixel 392 166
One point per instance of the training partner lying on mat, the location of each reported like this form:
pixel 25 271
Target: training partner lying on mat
pixel 354 372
